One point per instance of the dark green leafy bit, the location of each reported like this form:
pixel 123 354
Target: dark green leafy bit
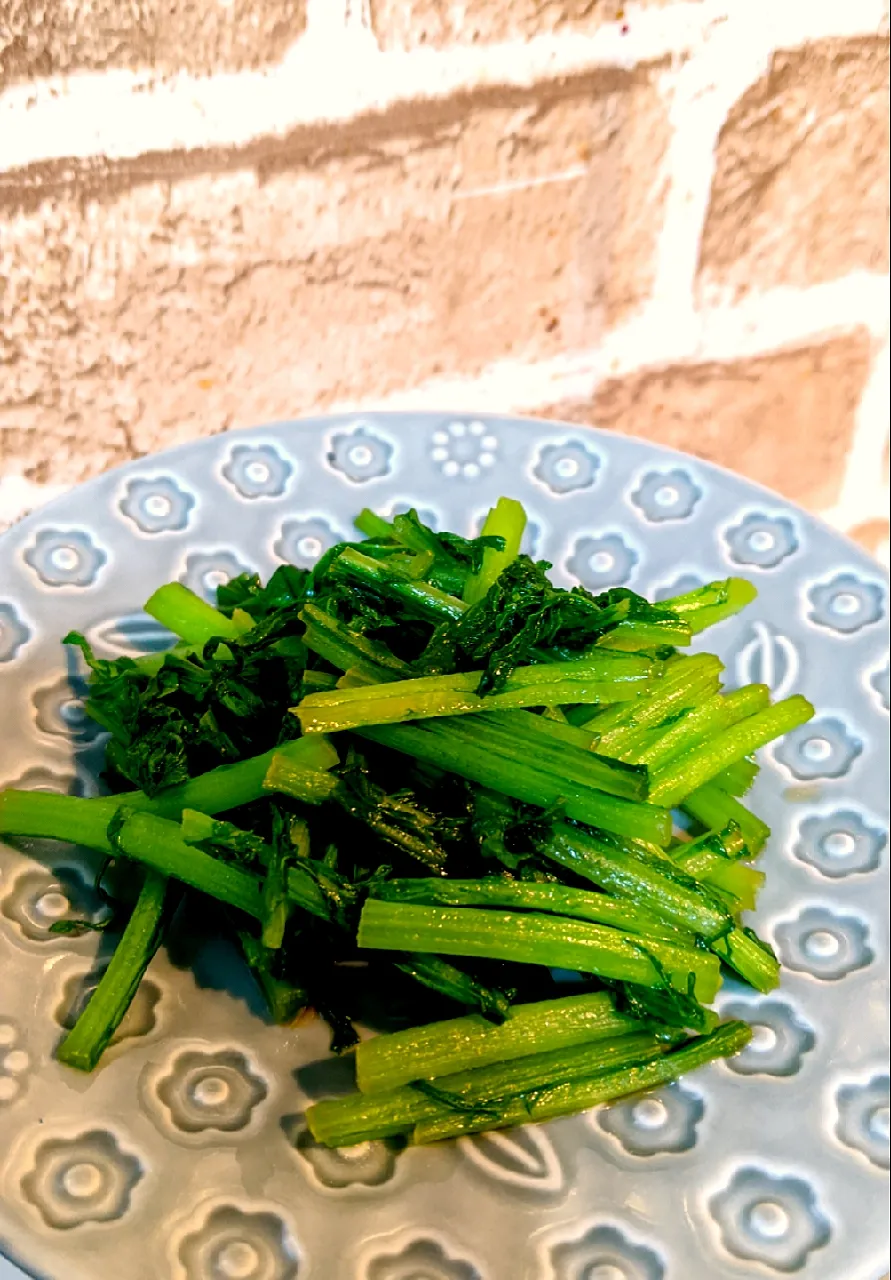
pixel 477 850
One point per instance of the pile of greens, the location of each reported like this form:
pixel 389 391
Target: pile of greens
pixel 414 784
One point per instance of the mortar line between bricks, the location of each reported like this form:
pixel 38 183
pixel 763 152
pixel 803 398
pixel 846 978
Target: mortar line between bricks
pixel 110 114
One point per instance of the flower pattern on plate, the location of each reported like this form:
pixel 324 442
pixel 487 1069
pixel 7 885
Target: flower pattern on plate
pixel 776 1221
pixel 780 1038
pixel 238 1244
pixel 38 898
pixel 824 944
pixel 13 631
pixel 421 1260
pixel 601 562
pixel 15 1062
pixel 604 1252
pixel 367 1164
pixel 767 656
pixel 90 1178
pixel 761 541
pixel 464 449
pixel 257 471
pixel 846 603
pixel 879 683
pixel 301 542
pixel 567 467
pixel 664 1120
pixel 217 1090
pixel 157 505
pixel 360 455
pixel 841 843
pixel 666 495
pixel 205 571
pixel 60 711
pixel 65 558
pixel 863 1111
pixel 822 748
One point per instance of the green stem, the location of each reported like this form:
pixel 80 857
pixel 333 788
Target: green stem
pixel 417 598
pixel 362 1117
pixel 521 895
pixel 699 723
pixel 750 957
pixel 638 636
pixel 449 749
pixel 460 1044
pixel 308 785
pixel 439 975
pixel 712 603
pixel 84 1045
pixel 676 781
pixel 529 938
pixel 646 880
pixel 578 1095
pixel 506 520
pixel 623 729
pixel 715 809
pixel 347 650
pixel 189 617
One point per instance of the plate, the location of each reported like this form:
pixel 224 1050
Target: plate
pixel 186 1155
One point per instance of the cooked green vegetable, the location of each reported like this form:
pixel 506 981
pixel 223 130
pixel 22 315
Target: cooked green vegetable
pixel 421 781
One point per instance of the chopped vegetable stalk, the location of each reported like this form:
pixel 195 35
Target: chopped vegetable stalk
pixel 648 881
pixel 85 1043
pixel 459 1044
pixel 193 619
pixel 439 975
pixel 520 895
pixel 364 1117
pixel 622 729
pixel 738 777
pixel 751 957
pixel 640 635
pixel 713 603
pixel 506 520
pixel 675 782
pixel 714 809
pixel 417 598
pixel 530 938
pixel 308 785
pixel 604 678
pixel 578 1095
pixel 710 717
pixel 448 748
pixel 346 649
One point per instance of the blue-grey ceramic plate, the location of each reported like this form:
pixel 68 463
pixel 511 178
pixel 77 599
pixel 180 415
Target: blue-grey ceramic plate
pixel 186 1157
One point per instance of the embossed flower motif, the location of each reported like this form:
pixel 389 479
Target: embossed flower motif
pixel 360 454
pixel 820 749
pixel 65 558
pixel 39 898
pixel 605 561
pixel 604 1250
pixel 662 1121
pixel 233 1242
pixel 761 540
pixel 524 1158
pixel 205 572
pixel 139 1019
pixel 257 471
pixel 157 504
pixel 464 449
pixel 567 467
pixel 879 682
pixel 823 944
pixel 61 712
pixel 863 1111
pixel 770 1219
pixel 39 778
pixel 666 495
pixel 839 844
pixel 780 1039
pixel 301 542
pixel 846 603
pixel 85 1179
pixel 367 1164
pixel 426 1259
pixel 13 632
pixel 216 1090
pixel 14 1062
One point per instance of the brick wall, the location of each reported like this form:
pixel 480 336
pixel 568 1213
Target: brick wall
pixel 669 219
